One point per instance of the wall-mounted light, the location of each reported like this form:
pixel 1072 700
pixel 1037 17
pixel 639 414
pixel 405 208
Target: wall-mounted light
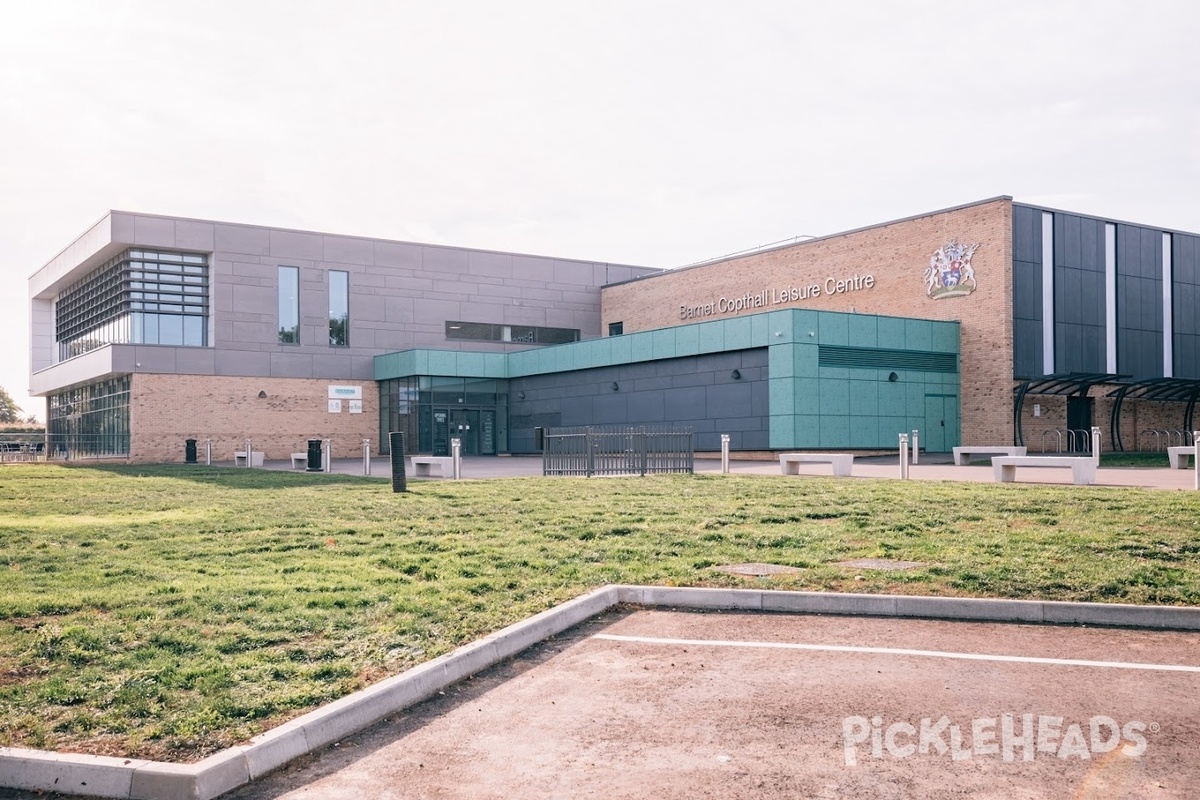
pixel 736 374
pixel 520 395
pixel 893 377
pixel 615 386
pixel 262 395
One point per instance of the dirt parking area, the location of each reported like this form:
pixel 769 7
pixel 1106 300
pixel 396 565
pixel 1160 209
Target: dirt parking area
pixel 652 703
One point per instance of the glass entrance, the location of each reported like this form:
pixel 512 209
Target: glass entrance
pixel 474 427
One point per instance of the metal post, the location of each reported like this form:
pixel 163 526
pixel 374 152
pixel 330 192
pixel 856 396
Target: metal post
pixel 1196 456
pixel 456 456
pixel 1096 445
pixel 724 453
pixel 399 478
pixel 327 456
pixel 904 456
pixel 249 453
pixel 208 452
pixel 367 457
pixel 916 446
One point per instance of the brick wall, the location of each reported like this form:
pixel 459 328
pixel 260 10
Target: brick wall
pixel 167 409
pixel 895 255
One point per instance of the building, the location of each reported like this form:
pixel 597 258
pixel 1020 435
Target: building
pixel 992 322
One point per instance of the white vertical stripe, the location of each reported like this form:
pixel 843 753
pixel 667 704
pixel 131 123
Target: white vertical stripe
pixel 1047 293
pixel 1110 296
pixel 1168 321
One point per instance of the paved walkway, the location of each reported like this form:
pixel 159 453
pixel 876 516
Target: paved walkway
pixel 934 467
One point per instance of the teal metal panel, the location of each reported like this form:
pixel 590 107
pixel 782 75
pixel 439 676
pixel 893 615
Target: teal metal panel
pixel 781 361
pixel 781 431
pixel 442 362
pixel 642 345
pixel 918 334
pixel 891 397
pixel 807 396
pixel 782 396
pixel 835 431
pixel 808 431
pixel 663 343
pixel 864 398
pixel 890 331
pixel 835 396
pixel 471 364
pixel 864 432
pixel 738 333
pixel 944 337
pixel 620 349
pixel 864 331
pixel 805 322
pixel 805 364
pixel 687 340
pixel 712 337
pixel 759 325
pixel 833 328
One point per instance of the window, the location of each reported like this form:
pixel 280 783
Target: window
pixel 616 328
pixel 339 308
pixel 139 297
pixel 516 334
pixel 289 305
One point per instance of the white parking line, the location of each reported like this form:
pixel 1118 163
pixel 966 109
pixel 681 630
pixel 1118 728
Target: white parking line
pixel 896 651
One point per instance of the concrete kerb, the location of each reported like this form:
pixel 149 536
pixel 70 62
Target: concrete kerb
pixel 102 776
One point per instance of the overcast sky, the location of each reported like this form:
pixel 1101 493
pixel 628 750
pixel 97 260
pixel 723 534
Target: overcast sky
pixel 651 133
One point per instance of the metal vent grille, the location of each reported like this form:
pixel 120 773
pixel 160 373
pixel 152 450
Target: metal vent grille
pixel 880 358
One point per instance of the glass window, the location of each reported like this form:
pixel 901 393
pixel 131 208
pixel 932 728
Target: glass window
pixel 339 308
pixel 289 305
pixel 616 328
pixel 517 334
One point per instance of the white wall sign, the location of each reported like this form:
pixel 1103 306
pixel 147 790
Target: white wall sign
pixel 356 406
pixel 345 392
pixel 335 406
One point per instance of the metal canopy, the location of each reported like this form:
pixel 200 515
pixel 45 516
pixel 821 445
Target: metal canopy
pixel 1180 390
pixel 1063 384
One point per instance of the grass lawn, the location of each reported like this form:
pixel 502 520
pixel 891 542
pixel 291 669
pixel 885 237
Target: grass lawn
pixel 167 612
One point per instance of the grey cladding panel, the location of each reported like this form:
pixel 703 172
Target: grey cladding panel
pixel 1027 234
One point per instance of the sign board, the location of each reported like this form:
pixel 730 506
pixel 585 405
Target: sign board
pixel 345 393
pixel 335 406
pixel 355 406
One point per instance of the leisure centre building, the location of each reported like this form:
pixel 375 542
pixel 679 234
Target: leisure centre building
pixel 989 323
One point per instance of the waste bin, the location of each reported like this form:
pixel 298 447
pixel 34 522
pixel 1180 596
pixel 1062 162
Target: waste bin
pixel 189 451
pixel 399 478
pixel 314 455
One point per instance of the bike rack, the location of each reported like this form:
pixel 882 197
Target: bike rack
pixel 1058 434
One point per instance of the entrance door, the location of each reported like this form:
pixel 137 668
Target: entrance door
pixel 1079 418
pixel 941 423
pixel 464 425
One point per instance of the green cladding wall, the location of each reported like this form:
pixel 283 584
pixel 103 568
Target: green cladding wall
pixel 836 380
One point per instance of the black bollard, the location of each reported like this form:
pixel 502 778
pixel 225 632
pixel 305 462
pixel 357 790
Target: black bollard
pixel 399 480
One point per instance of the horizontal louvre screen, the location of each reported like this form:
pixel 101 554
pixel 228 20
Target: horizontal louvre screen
pixel 879 358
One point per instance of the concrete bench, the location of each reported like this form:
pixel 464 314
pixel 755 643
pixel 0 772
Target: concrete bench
pixel 421 465
pixel 256 458
pixel 962 454
pixel 1083 468
pixel 789 463
pixel 299 460
pixel 1178 456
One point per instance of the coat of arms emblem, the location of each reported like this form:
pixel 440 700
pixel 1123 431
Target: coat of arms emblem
pixel 950 273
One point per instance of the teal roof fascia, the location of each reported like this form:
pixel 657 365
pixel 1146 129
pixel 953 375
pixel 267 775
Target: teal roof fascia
pixel 785 326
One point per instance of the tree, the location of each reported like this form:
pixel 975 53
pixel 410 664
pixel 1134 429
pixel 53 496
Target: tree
pixel 9 410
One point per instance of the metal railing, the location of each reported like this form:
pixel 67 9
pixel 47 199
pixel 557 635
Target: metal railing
pixel 617 450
